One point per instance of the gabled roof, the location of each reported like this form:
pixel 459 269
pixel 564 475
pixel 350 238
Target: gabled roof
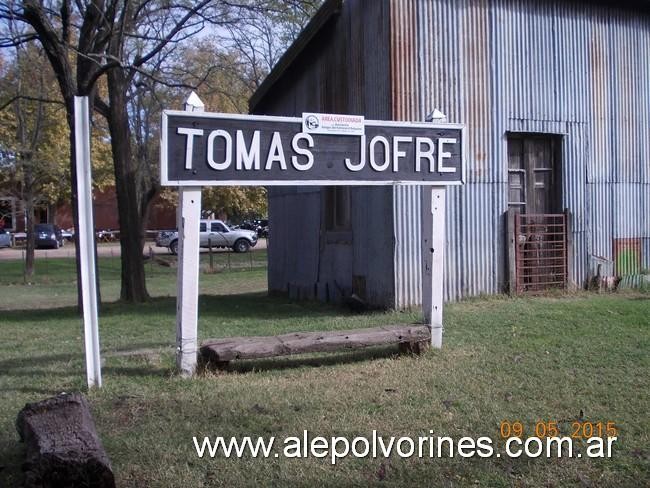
pixel 329 9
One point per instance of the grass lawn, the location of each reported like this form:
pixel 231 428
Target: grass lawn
pixel 522 359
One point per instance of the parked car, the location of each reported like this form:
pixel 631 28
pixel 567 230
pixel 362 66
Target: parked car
pixel 68 234
pixel 5 238
pixel 212 233
pixel 261 226
pixel 106 235
pixel 48 236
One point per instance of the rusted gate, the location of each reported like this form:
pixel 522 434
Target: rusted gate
pixel 540 252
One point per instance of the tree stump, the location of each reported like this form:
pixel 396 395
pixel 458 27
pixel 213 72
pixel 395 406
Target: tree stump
pixel 63 448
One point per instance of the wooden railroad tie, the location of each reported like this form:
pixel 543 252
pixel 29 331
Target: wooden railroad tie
pixel 219 352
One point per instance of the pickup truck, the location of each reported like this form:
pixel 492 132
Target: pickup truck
pixel 213 233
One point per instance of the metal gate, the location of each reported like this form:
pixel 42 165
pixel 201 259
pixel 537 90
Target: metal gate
pixel 540 252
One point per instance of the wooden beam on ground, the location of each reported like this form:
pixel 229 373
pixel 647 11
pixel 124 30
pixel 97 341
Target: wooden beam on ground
pixel 219 351
pixel 62 445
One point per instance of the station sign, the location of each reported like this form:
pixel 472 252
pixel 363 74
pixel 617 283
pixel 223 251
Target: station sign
pixel 213 149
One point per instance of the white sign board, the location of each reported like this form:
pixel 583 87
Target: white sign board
pixel 333 124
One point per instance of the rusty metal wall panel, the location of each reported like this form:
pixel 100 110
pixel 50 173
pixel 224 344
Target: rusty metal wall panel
pixel 408 260
pixel 405 74
pixel 601 225
pixel 579 271
pixel 575 157
pixel 479 228
pixel 454 245
pixel 630 84
pixel 566 68
pixel 629 200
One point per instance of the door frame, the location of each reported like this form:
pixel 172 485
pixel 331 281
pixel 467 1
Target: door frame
pixel 557 140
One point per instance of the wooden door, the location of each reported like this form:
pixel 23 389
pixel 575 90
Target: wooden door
pixel 540 230
pixel 532 174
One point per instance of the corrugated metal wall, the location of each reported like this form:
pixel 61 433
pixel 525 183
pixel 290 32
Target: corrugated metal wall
pixel 405 76
pixel 567 68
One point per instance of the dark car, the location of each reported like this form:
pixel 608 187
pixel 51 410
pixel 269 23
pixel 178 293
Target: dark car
pixel 48 236
pixel 261 226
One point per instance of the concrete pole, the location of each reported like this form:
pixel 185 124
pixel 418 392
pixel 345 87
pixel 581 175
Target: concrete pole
pixel 433 259
pixel 187 278
pixel 86 241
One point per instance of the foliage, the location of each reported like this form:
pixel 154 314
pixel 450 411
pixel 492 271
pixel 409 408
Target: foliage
pixel 30 129
pixel 32 105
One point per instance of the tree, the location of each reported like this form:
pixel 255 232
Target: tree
pixel 88 40
pixel 121 41
pixel 259 39
pixel 33 138
pixel 31 166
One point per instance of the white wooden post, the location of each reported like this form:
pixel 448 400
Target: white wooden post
pixel 433 259
pixel 187 278
pixel 86 236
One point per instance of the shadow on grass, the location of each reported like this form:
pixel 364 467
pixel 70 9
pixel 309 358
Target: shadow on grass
pixel 28 362
pixel 46 392
pixel 312 360
pixel 134 360
pixel 149 371
pixel 240 306
pixel 12 454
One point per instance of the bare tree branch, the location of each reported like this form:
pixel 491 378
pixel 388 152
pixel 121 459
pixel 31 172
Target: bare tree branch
pixel 4 105
pixel 139 61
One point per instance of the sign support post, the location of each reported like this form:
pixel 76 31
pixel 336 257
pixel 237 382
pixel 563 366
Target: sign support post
pixel 433 259
pixel 86 236
pixel 187 278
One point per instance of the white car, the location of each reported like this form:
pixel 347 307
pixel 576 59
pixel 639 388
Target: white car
pixel 213 233
pixel 5 238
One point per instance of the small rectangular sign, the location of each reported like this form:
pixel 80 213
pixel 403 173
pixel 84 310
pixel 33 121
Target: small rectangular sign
pixel 211 149
pixel 333 124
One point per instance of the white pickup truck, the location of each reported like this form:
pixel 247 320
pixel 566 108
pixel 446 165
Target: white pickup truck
pixel 213 233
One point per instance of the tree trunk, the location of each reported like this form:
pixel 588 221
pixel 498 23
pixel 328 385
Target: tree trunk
pixel 69 107
pixel 131 190
pixel 31 238
pixel 62 445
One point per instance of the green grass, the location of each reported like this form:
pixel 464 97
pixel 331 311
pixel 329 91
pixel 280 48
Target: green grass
pixel 516 359
pixel 54 281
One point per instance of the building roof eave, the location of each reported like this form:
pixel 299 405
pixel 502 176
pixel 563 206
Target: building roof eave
pixel 329 9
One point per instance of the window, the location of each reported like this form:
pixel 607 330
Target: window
pixel 337 208
pixel 203 227
pixel 217 227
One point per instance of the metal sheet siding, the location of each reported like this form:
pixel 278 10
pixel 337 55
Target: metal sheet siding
pixel 566 68
pixel 601 220
pixel 406 199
